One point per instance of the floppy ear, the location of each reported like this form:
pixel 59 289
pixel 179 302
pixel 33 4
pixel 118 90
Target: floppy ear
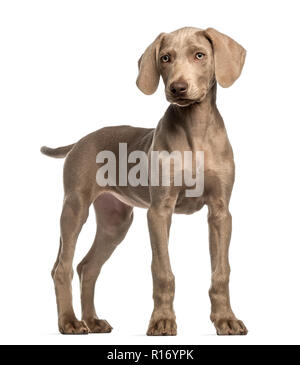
pixel 148 77
pixel 229 57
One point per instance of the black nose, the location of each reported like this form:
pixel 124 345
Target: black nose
pixel 178 88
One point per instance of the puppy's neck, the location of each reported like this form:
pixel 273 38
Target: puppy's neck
pixel 196 118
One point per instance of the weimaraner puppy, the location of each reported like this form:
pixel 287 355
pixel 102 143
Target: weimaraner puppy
pixel 191 62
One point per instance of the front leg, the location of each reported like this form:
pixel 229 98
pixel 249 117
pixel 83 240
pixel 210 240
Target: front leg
pixel 162 322
pixel 219 220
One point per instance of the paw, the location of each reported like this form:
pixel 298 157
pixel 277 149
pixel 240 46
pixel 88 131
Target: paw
pixel 96 325
pixel 73 327
pixel 230 326
pixel 162 327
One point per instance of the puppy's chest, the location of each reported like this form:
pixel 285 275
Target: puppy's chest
pixel 210 166
pixel 193 151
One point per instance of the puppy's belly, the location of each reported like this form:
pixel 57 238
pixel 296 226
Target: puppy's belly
pixel 188 205
pixel 134 197
pixel 140 198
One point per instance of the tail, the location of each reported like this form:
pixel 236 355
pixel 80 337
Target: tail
pixel 59 152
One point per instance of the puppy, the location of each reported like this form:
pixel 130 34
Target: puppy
pixel 191 62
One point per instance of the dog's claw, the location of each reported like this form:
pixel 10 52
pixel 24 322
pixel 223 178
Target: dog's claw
pixel 96 325
pixel 162 327
pixel 74 327
pixel 229 327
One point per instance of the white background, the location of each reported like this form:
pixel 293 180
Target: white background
pixel 68 68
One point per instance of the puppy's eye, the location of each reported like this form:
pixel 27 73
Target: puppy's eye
pixel 165 58
pixel 199 55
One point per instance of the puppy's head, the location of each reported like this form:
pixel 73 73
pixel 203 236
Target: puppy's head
pixel 189 61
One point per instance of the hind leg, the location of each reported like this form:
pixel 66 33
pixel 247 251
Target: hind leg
pixel 113 221
pixel 74 215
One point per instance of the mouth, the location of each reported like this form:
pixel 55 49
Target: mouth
pixel 182 101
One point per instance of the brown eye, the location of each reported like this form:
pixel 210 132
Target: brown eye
pixel 165 58
pixel 199 55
